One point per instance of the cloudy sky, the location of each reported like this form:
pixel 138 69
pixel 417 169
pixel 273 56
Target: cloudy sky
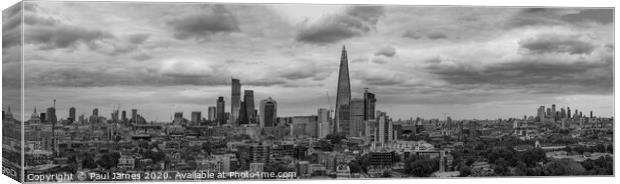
pixel 467 62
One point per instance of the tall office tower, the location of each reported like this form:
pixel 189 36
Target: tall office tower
pixel 196 117
pixel 221 113
pixel 549 113
pixel 568 112
pixel 591 114
pixel 71 115
pixel 369 105
pixel 562 113
pixel 51 115
pixel 268 112
pixel 243 115
pixel 343 96
pixel 248 102
pixel 580 114
pixel 124 116
pixel 211 113
pixel 356 125
pixel 541 113
pixel 235 100
pixel 324 121
pixel 134 115
pixel 96 112
pixel 385 129
pixel 553 112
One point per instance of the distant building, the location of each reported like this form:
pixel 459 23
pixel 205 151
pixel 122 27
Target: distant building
pixel 51 115
pixel 71 115
pixel 235 100
pixel 124 116
pixel 178 117
pixel 211 113
pixel 221 112
pixel 324 120
pixel 196 117
pixel 304 126
pixel 248 102
pixel 369 105
pixel 553 113
pixel 385 128
pixel 381 158
pixel 268 112
pixel 541 113
pixel 134 115
pixel 356 126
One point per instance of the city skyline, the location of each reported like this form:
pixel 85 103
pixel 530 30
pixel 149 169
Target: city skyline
pixel 420 63
pixel 138 91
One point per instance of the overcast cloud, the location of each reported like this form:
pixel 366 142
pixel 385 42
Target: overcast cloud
pixel 468 62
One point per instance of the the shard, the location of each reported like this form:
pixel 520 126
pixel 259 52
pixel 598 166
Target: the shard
pixel 343 96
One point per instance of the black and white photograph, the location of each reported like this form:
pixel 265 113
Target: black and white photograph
pixel 98 91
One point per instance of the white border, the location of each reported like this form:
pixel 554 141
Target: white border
pixel 563 3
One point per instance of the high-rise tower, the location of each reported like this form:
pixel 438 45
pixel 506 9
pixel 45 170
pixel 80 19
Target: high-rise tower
pixel 343 96
pixel 221 105
pixel 235 100
pixel 250 110
pixel 268 112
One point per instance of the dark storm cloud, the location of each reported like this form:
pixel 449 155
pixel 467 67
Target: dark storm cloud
pixel 138 38
pixel 411 34
pixel 603 16
pixel 554 43
pixel 533 75
pixel 201 26
pixel 11 26
pixel 388 51
pixel 436 36
pixel 356 21
pixel 37 20
pixel 64 36
pixel 533 17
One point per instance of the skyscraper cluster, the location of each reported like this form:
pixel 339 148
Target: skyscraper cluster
pixel 243 109
pixel 552 114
